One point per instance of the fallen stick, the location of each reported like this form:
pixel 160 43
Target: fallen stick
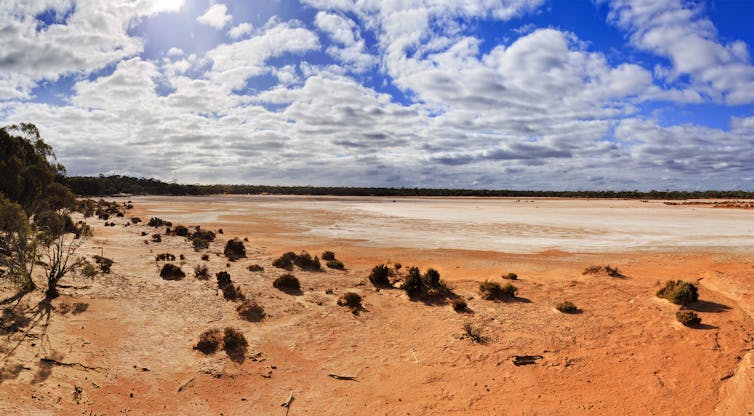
pixel 62 364
pixel 337 377
pixel 185 385
pixel 414 354
pixel 288 402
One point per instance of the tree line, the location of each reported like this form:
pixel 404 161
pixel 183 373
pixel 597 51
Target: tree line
pixel 116 184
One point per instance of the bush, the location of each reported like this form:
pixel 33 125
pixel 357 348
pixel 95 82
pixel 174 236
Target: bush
pixel 104 263
pixel 205 257
pixel 232 293
pixel 201 272
pixel 223 279
pixel 459 305
pixel 287 283
pixel 135 220
pixel 397 266
pixel 306 262
pixel 255 268
pixel 156 222
pixel 235 344
pixel 336 264
pixel 511 276
pixel 379 275
pixel 328 255
pixel 165 257
pixel 592 270
pixel 431 278
pixel 491 290
pixel 679 292
pixel 285 261
pixel 171 272
pixel 181 231
pixel 611 271
pixel 473 333
pixel 209 341
pixel 234 249
pixel 413 283
pixel 156 238
pixel 566 307
pixel 88 270
pixel 688 318
pixel 251 311
pixel 351 300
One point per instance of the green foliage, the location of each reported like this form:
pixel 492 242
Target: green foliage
pixel 679 292
pixel 234 249
pixel 171 272
pixel 379 275
pixel 18 247
pixel 566 307
pixel 688 318
pixel 287 283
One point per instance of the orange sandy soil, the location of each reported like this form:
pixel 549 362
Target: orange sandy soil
pixel 131 351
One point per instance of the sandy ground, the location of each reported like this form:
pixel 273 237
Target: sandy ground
pixel 130 352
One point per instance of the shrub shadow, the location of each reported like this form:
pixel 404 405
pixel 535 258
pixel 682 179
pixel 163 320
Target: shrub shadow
pixel 707 306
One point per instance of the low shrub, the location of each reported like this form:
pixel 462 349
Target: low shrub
pixel 613 271
pixel 235 344
pixel 143 233
pixel 328 255
pixel 608 269
pixel 511 276
pixel 397 266
pixel 223 279
pixel 306 262
pixel 250 310
pixel 171 272
pixel 209 341
pixel 205 257
pixel 336 264
pixel 473 333
pixel 592 270
pixel 566 307
pixel 234 249
pixel 379 275
pixel 165 257
pixel 459 305
pixel 182 257
pixel 679 292
pixel 88 270
pixel 413 283
pixel 688 318
pixel 285 261
pixel 135 220
pixel 156 238
pixel 79 307
pixel 156 222
pixel 255 268
pixel 232 293
pixel 491 290
pixel 287 283
pixel 104 263
pixel 351 300
pixel 181 231
pixel 201 272
pixel 431 278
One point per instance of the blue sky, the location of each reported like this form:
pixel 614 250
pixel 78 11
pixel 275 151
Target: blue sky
pixel 522 94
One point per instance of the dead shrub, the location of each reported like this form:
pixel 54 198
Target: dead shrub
pixel 473 333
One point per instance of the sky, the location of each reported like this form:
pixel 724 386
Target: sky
pixel 507 94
